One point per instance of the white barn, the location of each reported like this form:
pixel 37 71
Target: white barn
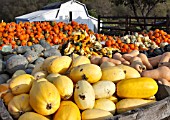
pixel 62 11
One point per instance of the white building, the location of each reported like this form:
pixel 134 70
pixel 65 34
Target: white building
pixel 62 11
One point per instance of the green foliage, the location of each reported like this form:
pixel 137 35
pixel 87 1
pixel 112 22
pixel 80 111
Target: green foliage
pixel 12 8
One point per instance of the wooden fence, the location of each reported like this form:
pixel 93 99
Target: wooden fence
pixel 113 25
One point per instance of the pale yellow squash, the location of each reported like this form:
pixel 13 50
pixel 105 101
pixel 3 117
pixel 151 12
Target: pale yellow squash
pixel 18 72
pixel 19 105
pixel 21 84
pixel 32 116
pixel 84 95
pixel 52 77
pixel 89 72
pixel 47 61
pixel 130 72
pixel 64 86
pixel 113 74
pixel 67 111
pixel 104 89
pixel 105 104
pixel 130 104
pixel 60 65
pixel 79 60
pixel 96 114
pixel 38 67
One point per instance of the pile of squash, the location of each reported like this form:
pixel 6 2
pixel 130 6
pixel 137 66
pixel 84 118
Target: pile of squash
pixel 75 88
pixel 78 38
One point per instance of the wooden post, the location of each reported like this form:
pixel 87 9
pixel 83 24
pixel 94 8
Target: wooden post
pixel 70 16
pixel 127 24
pixel 99 24
pixel 167 23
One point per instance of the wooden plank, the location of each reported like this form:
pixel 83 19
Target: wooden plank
pixel 110 22
pixel 157 111
pixel 4 114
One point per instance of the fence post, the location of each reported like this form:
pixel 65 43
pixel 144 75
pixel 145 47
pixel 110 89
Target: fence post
pixel 167 23
pixel 127 24
pixel 98 24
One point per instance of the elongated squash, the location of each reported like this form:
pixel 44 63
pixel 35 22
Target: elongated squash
pixel 21 84
pixel 130 72
pixel 96 114
pixel 44 97
pixel 60 65
pixel 113 74
pixel 104 89
pixel 84 95
pixel 64 86
pixel 67 111
pixel 105 104
pixel 32 116
pixel 143 87
pixel 19 105
pixel 79 61
pixel 90 72
pixel 130 104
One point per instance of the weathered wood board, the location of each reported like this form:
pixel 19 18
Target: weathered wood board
pixel 156 111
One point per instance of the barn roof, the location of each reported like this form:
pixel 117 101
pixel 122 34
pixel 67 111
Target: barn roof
pixel 53 5
pixel 33 15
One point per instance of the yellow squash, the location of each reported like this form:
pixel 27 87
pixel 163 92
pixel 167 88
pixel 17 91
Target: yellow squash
pixel 44 98
pixel 96 114
pixel 105 104
pixel 143 87
pixel 38 67
pixel 67 111
pixel 84 95
pixel 113 74
pixel 79 61
pixel 60 65
pixel 89 72
pixel 19 105
pixel 21 84
pixel 104 89
pixel 64 86
pixel 52 77
pixel 47 61
pixel 130 72
pixel 130 104
pixel 32 116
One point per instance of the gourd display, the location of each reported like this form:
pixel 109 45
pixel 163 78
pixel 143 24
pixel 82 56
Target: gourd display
pixel 69 72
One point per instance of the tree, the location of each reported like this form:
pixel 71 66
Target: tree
pixel 140 7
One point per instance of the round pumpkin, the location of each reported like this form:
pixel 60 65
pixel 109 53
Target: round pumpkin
pixel 32 116
pixel 63 114
pixel 44 98
pixel 19 105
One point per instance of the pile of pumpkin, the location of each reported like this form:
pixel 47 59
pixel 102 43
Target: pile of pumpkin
pixel 78 38
pixel 76 87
